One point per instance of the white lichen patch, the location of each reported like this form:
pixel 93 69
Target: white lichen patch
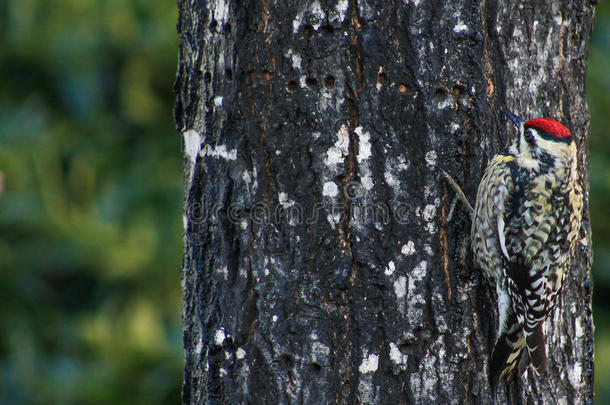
pixel 366 390
pixel 298 19
pixel 429 212
pixel 423 383
pixel 389 270
pixel 250 179
pixel 398 357
pixel 445 102
pixel 224 271
pixel 340 10
pixel 284 201
pixel 367 181
pixel 364 144
pixel 221 11
pixel 192 144
pixel 431 158
pixel 442 321
pixel 330 189
pixel 575 374
pixel 578 329
pixel 460 28
pixel 199 346
pixel 219 337
pixel 390 178
pixel 240 354
pixel 391 173
pixel 415 301
pixel 428 250
pixel 337 153
pixel 364 154
pixel 328 100
pixel 333 219
pixel 314 12
pixel 419 272
pixel 317 15
pixel 408 249
pixel 219 151
pixel 369 363
pixel 246 177
pixel 295 58
pixel 400 287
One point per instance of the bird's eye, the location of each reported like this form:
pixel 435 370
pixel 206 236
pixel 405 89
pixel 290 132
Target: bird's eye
pixel 529 136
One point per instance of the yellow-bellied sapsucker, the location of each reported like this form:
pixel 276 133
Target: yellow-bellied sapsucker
pixel 526 223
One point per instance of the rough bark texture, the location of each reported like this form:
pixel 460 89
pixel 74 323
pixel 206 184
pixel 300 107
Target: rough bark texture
pixel 318 265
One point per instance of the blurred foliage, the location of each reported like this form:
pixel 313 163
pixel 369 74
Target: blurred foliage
pixel 598 95
pixel 90 211
pixel 90 197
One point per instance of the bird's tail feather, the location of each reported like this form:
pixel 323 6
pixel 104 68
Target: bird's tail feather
pixel 507 352
pixel 515 350
pixel 535 348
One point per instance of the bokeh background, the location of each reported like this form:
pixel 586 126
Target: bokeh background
pixel 91 195
pixel 90 210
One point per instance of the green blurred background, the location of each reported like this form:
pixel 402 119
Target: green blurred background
pixel 598 96
pixel 91 195
pixel 90 214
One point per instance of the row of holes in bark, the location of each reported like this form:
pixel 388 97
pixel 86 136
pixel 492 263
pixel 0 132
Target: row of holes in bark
pixel 312 82
pixel 287 361
pixel 457 90
pixel 207 77
pixel 214 26
pixel 326 29
pixel 330 82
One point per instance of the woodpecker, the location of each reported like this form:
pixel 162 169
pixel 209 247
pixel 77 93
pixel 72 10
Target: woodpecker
pixel 526 222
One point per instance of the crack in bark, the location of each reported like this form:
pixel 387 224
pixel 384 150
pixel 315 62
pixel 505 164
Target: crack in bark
pixel 350 337
pixel 444 245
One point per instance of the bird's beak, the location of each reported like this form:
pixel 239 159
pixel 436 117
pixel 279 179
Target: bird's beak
pixel 516 120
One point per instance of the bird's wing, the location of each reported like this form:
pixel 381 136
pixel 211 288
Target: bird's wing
pixel 488 227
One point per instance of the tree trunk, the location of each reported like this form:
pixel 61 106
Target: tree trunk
pixel 319 266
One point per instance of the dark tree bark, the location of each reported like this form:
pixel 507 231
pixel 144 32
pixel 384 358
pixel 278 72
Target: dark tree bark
pixel 319 267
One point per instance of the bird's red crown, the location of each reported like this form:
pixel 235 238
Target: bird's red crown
pixel 549 126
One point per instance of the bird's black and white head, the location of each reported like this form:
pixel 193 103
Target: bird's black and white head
pixel 543 143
